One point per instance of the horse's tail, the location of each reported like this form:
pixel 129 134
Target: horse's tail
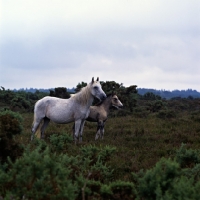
pixel 32 130
pixel 35 129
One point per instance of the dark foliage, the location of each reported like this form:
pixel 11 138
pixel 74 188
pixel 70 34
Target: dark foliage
pixel 19 101
pixel 60 92
pixel 10 125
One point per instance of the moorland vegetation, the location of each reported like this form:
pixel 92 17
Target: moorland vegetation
pixel 151 150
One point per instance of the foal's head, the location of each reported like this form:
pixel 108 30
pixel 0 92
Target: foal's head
pixel 115 102
pixel 96 89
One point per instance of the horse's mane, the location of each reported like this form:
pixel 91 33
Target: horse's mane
pixel 101 102
pixel 83 95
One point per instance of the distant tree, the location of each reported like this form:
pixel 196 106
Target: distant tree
pixel 111 86
pixel 60 92
pixel 125 94
pixel 190 97
pixel 128 97
pixel 79 86
pixel 151 96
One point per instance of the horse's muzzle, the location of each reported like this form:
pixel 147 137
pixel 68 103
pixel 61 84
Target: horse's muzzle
pixel 102 97
pixel 120 106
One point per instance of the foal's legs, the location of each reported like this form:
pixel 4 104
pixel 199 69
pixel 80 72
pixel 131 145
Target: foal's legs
pixel 97 133
pixel 45 124
pixel 100 130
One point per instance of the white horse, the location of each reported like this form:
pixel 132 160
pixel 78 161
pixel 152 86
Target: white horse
pixel 62 111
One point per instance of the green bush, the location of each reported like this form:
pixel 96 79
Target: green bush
pixel 184 188
pixel 187 157
pixel 38 174
pixel 10 125
pixel 154 183
pixel 96 159
pixel 42 174
pixel 93 152
pixel 61 141
pixel 118 190
pixel 171 179
pixel 122 190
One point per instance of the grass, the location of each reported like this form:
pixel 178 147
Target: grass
pixel 140 142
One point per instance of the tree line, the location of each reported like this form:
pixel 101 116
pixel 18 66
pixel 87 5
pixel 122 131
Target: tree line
pixel 189 93
pixel 25 100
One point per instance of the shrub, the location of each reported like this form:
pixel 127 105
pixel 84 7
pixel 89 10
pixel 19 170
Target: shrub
pixel 187 157
pixel 38 174
pixel 167 180
pixel 122 190
pixel 154 183
pixel 118 190
pixel 96 159
pixel 60 142
pixel 10 124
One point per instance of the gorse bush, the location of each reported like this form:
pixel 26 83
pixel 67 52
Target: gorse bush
pixel 38 174
pixel 154 183
pixel 119 190
pixel 187 157
pixel 10 125
pixel 61 141
pixel 43 173
pixel 171 179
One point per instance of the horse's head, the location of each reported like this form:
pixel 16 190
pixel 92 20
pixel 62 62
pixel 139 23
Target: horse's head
pixel 96 89
pixel 116 102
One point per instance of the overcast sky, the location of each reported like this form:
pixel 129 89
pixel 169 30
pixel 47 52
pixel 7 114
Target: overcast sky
pixel 59 43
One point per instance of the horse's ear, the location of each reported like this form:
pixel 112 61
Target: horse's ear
pixel 92 79
pixel 97 78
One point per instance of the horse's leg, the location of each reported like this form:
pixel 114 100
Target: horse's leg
pixel 73 129
pixel 44 126
pixel 81 130
pixel 98 133
pixel 77 130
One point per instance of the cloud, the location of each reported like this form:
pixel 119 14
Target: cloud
pixel 153 44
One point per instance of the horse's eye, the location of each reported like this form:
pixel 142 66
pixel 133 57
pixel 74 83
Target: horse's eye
pixel 95 87
pixel 115 99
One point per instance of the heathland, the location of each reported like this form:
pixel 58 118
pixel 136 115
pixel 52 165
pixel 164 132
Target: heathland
pixel 150 150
